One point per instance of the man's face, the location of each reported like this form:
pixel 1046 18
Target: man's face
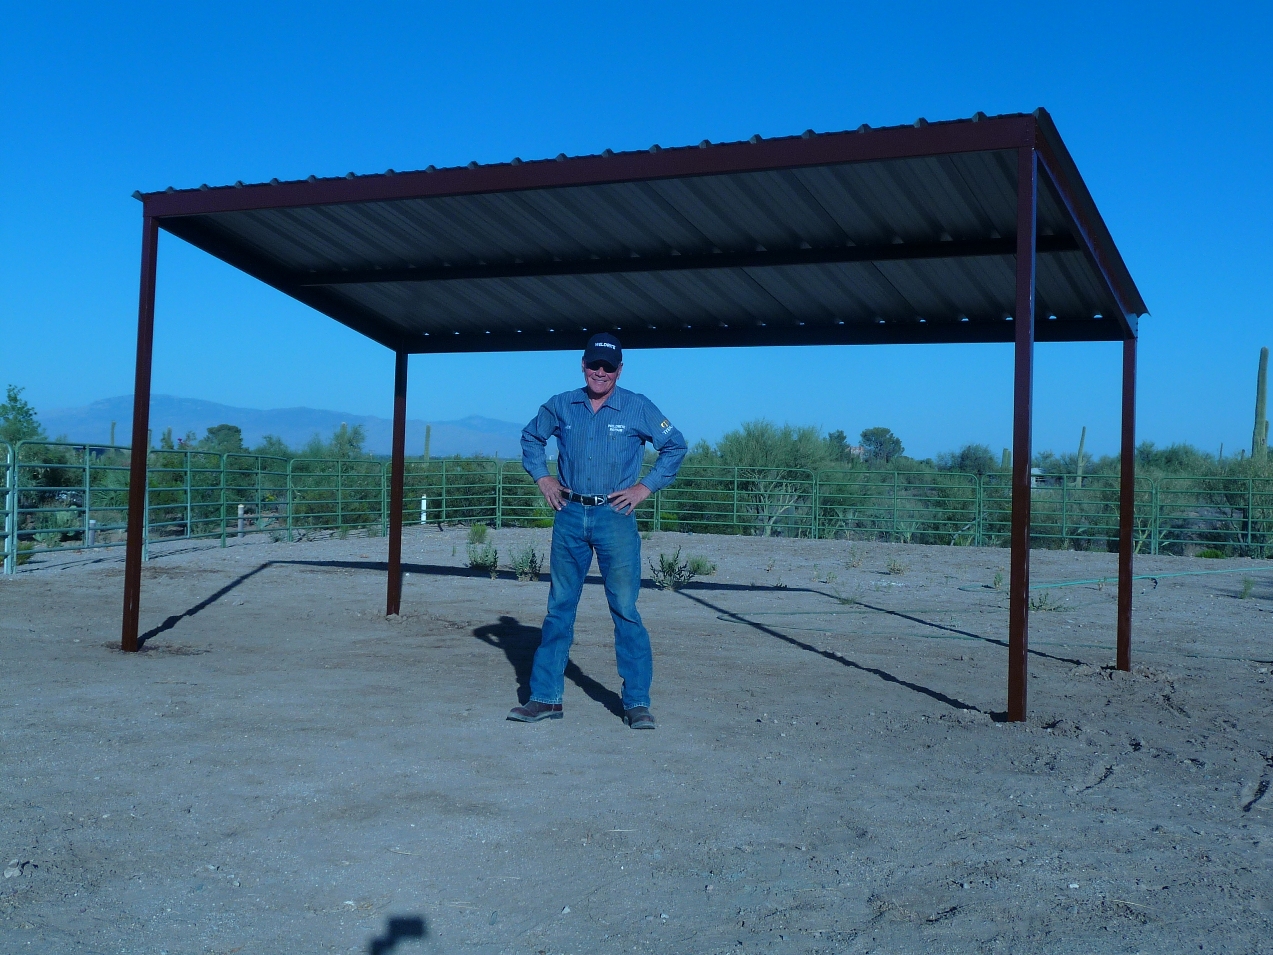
pixel 600 377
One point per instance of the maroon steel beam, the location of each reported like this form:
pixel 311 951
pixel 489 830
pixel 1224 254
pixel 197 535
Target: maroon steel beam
pixel 909 332
pixel 195 232
pixel 141 436
pixel 397 468
pixel 762 259
pixel 1022 424
pixel 865 145
pixel 1067 182
pixel 1126 506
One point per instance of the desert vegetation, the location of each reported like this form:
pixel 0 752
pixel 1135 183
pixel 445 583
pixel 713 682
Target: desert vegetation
pixel 761 479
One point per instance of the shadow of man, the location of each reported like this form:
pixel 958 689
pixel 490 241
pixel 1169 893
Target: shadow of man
pixel 519 643
pixel 398 929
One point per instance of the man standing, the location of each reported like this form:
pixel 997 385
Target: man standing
pixel 601 430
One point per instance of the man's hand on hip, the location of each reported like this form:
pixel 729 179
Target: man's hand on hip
pixel 553 492
pixel 625 501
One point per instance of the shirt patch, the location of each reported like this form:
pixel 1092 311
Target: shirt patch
pixel 617 427
pixel 666 426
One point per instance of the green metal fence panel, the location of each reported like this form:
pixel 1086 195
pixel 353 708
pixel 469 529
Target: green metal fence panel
pixel 59 495
pixel 1232 516
pixel 1260 523
pixel 756 501
pixel 452 490
pixel 9 554
pixel 520 503
pixel 1065 512
pixel 920 507
pixel 333 494
pixel 67 495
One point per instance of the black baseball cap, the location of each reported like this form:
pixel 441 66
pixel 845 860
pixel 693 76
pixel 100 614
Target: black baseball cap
pixel 604 347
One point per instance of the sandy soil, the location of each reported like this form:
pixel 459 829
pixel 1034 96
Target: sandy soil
pixel 283 769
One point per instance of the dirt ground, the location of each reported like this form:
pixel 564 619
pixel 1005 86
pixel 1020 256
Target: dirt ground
pixel 283 769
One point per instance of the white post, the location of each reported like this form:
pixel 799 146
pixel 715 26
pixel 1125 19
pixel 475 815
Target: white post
pixel 92 532
pixel 242 522
pixel 424 508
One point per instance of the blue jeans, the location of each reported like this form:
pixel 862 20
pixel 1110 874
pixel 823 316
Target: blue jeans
pixel 577 532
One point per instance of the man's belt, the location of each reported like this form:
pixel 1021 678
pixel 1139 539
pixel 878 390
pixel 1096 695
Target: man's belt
pixel 588 500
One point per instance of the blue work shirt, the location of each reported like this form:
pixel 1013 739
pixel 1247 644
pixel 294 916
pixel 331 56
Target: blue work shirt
pixel 601 452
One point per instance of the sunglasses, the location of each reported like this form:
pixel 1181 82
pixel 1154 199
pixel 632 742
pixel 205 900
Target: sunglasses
pixel 605 366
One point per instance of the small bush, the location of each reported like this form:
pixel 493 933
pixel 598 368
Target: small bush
pixel 672 573
pixel 1044 602
pixel 895 567
pixel 1247 586
pixel 526 563
pixel 1211 553
pixel 998 581
pixel 24 551
pixel 855 558
pixel 484 557
pixel 477 533
pixel 850 598
pixel 700 567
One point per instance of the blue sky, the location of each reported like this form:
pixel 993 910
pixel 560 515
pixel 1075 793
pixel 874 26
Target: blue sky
pixel 1165 107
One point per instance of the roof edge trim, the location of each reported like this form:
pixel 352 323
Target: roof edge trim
pixel 897 142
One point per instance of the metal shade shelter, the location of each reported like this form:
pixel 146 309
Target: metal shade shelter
pixel 976 230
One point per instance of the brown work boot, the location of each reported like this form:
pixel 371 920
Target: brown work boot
pixel 534 711
pixel 639 718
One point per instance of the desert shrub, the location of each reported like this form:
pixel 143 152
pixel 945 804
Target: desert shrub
pixel 484 557
pixel 895 567
pixel 477 533
pixel 673 573
pixel 526 563
pixel 1044 602
pixel 700 567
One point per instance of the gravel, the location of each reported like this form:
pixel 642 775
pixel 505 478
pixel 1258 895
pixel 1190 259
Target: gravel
pixel 283 769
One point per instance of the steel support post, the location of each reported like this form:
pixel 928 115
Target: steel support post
pixel 141 427
pixel 1022 421
pixel 393 601
pixel 1126 506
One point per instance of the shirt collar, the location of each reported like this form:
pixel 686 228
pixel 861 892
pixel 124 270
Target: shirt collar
pixel 614 401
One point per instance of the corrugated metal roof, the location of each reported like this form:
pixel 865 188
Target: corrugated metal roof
pixel 684 246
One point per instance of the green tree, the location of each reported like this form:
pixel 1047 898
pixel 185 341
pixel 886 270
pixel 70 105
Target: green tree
pixel 17 418
pixel 762 444
pixel 881 445
pixel 774 472
pixel 346 443
pixel 223 439
pixel 838 446
pixel 970 459
pixel 273 446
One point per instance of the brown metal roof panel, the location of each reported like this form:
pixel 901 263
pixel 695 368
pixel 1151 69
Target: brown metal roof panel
pixel 992 177
pixel 1068 287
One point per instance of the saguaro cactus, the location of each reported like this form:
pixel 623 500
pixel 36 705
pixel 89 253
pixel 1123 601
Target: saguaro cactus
pixel 1078 481
pixel 1260 436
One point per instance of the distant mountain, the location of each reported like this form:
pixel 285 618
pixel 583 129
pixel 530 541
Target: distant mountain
pixel 471 435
